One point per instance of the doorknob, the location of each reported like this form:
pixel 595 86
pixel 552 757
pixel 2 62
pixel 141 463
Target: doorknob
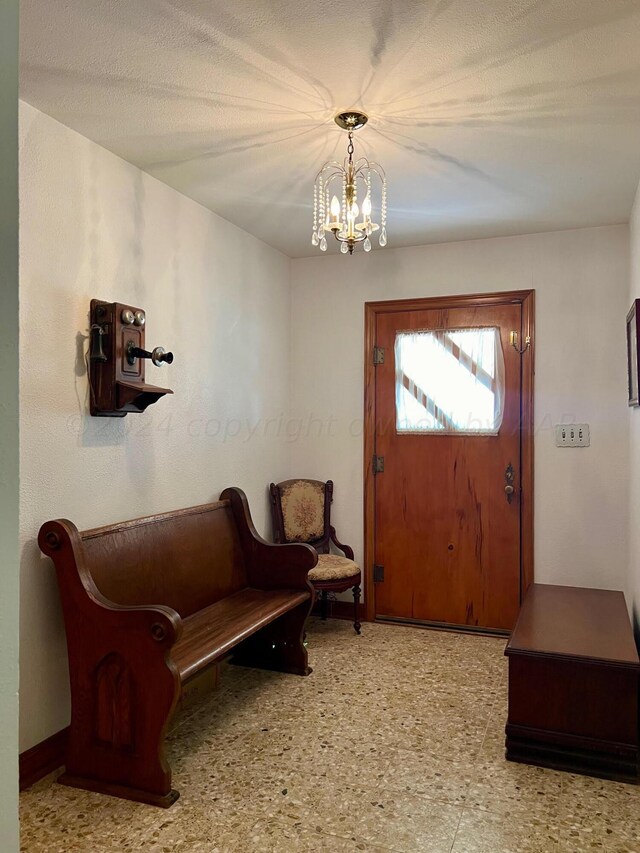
pixel 509 477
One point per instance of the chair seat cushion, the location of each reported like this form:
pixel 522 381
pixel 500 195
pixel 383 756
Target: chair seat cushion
pixel 331 567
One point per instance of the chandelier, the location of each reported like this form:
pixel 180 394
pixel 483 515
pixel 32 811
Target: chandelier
pixel 348 180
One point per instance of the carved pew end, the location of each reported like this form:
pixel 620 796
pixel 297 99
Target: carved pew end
pixel 122 791
pixel 218 589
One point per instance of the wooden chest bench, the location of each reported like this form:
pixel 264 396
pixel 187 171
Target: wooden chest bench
pixel 573 683
pixel 150 603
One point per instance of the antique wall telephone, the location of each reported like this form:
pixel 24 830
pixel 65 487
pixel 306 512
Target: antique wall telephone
pixel 117 361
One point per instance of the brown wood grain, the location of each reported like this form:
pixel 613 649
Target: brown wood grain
pixel 526 442
pixel 574 676
pixel 574 622
pixel 43 758
pixel 447 537
pixel 475 300
pixel 214 631
pixel 115 386
pixel 133 593
pixel 161 558
pixel 478 595
pixel 369 502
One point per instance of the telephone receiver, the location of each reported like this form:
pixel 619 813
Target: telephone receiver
pixel 96 350
pixel 158 356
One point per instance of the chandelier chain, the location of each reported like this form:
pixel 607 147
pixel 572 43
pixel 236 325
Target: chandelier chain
pixel 350 148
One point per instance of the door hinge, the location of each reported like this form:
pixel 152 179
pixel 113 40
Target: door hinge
pixel 378 574
pixel 378 355
pixel 378 464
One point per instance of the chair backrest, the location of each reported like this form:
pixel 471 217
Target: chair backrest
pixel 301 511
pixel 186 559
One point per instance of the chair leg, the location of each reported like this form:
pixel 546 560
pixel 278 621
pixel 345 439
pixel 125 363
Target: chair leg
pixel 356 602
pixel 324 597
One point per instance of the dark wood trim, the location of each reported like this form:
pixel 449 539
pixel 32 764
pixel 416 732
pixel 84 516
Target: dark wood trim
pixel 601 759
pixel 526 443
pixel 341 610
pixel 443 626
pixel 341 585
pixel 43 758
pixel 428 303
pixel 369 502
pixel 574 676
pixel 526 298
pixel 125 792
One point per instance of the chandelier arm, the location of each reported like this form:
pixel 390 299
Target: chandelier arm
pixel 357 237
pixel 362 163
pixel 377 168
pixel 329 165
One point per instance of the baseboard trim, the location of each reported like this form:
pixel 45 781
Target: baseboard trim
pixel 43 758
pixel 342 610
pixel 562 752
pixel 443 626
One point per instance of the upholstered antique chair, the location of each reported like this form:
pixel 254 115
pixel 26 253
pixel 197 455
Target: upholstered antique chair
pixel 301 511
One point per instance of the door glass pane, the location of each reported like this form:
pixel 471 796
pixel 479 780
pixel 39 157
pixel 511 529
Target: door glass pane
pixel 449 381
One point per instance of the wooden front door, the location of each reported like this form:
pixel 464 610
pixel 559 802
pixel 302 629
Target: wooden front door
pixel 448 506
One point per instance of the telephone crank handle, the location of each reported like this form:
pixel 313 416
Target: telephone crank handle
pixel 158 356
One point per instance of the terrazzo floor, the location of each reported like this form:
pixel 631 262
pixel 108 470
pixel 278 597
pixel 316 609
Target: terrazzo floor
pixel 395 742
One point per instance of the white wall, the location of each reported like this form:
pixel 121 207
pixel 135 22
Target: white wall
pixel 634 429
pixel 581 284
pixel 9 435
pixel 95 226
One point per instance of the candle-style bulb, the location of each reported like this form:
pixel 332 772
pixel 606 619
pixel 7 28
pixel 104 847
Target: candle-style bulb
pixel 366 207
pixel 335 207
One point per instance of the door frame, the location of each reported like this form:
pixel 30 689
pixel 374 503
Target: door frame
pixel 526 298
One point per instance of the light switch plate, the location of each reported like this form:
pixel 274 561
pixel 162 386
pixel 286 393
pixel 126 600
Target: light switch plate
pixel 572 435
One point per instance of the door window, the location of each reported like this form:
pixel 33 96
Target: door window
pixel 449 381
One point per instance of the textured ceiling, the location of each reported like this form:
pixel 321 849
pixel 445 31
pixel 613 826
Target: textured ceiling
pixel 491 117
